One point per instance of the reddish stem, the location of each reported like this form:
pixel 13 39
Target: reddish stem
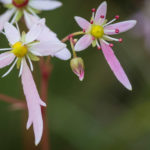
pixel 46 68
pixel 16 103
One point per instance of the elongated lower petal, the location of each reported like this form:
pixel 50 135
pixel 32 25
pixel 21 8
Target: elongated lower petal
pixel 121 26
pixel 33 102
pixel 83 23
pixel 6 59
pixel 5 18
pixel 83 43
pixel 115 65
pixel 45 5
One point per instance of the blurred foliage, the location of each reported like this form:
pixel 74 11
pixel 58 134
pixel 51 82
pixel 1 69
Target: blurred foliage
pixel 98 113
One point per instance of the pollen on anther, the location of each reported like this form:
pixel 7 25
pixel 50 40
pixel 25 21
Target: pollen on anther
pixel 102 16
pixel 93 38
pixel 91 21
pixel 120 40
pixel 117 31
pixel 117 17
pixel 111 45
pixel 93 10
pixel 99 48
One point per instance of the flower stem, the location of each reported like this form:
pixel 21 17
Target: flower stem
pixel 72 43
pixel 71 35
pixel 46 68
pixel 16 103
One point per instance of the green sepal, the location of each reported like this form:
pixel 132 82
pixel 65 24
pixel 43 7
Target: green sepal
pixel 9 6
pixel 33 57
pixel 94 43
pixel 19 63
pixel 19 16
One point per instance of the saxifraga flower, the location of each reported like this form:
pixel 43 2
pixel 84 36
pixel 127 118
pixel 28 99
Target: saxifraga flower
pixel 97 33
pixel 26 47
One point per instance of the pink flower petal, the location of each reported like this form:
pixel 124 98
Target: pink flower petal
pixel 122 26
pixel 115 65
pixel 83 23
pixel 45 5
pixel 101 11
pixel 12 33
pixel 6 59
pixel 33 102
pixel 35 31
pixel 83 43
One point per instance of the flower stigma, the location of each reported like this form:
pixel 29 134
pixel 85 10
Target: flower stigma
pixel 19 49
pixel 20 3
pixel 97 31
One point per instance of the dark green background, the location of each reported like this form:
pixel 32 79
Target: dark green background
pixel 98 113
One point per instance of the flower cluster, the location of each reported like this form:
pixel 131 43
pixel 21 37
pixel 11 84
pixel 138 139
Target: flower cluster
pixel 41 41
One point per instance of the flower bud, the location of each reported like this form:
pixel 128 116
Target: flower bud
pixel 77 66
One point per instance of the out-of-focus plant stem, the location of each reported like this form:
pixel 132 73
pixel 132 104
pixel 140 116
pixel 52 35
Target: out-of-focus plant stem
pixel 16 103
pixel 46 68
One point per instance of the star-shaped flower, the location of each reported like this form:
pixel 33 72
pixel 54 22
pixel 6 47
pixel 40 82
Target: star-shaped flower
pixel 23 48
pixel 17 7
pixel 97 33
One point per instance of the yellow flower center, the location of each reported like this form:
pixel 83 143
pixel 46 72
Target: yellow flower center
pixel 19 49
pixel 97 31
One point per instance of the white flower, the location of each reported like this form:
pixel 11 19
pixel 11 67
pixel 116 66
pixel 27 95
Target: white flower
pixel 17 7
pixel 47 35
pixel 27 47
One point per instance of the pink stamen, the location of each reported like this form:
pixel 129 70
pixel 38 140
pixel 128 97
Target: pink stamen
pixel 93 38
pixel 93 10
pixel 120 40
pixel 84 30
pixel 111 45
pixel 99 48
pixel 91 21
pixel 117 31
pixel 102 16
pixel 117 17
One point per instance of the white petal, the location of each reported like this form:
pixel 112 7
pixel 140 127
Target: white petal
pixel 47 48
pixel 5 18
pixel 12 34
pixel 6 1
pixel 35 31
pixel 45 5
pixel 64 54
